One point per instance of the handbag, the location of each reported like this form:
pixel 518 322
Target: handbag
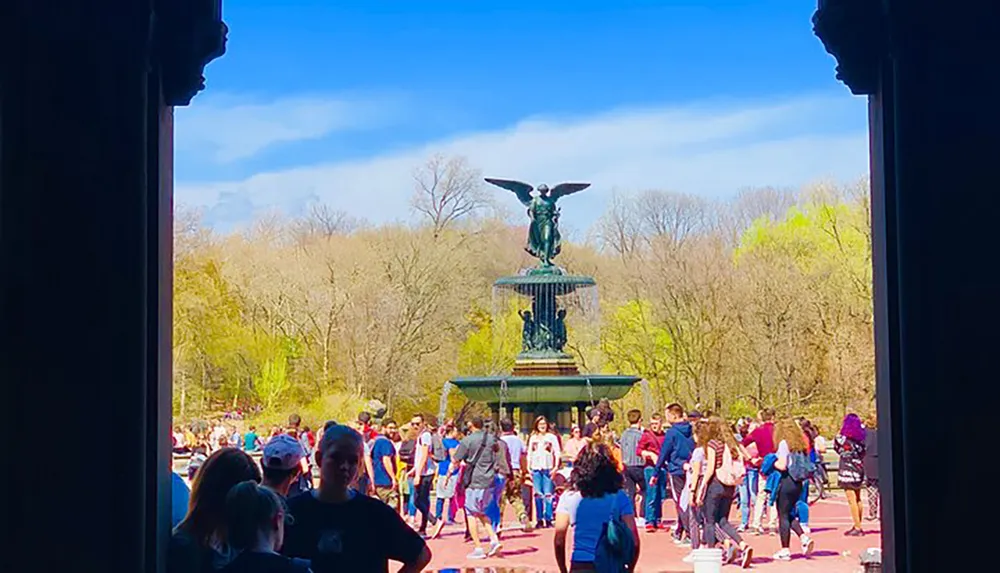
pixel 616 547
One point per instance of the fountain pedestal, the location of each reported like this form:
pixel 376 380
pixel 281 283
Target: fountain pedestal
pixel 551 304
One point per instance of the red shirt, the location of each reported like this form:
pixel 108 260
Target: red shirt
pixel 650 442
pixel 763 437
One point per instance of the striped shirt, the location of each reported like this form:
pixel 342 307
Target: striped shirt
pixel 719 448
pixel 630 447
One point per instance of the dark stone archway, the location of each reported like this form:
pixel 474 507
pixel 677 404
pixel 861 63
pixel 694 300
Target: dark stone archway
pixel 85 174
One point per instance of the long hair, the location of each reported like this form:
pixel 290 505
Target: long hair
pixel 785 429
pixel 718 429
pixel 538 420
pixel 852 428
pixel 702 433
pixel 595 471
pixel 250 509
pixel 206 516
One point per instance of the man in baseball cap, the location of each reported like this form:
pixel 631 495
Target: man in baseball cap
pixel 281 462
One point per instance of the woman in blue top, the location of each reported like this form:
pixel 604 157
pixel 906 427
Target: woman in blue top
pixel 596 495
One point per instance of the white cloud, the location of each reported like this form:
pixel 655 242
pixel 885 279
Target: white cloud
pixel 227 128
pixel 708 150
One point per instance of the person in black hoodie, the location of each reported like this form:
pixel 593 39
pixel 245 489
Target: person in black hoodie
pixel 674 455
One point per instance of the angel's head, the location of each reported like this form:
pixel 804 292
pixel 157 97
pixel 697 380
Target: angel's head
pixel 543 190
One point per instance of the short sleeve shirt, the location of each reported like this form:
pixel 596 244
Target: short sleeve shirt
pixel 588 515
pixel 515 446
pixel 362 534
pixel 382 448
pixel 427 440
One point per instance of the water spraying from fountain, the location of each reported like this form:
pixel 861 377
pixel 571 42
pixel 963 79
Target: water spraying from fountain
pixel 443 403
pixel 503 394
pixel 647 398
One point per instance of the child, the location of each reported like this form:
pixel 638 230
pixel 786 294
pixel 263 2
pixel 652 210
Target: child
pixel 255 524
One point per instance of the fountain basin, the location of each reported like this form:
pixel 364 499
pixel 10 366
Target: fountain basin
pixel 546 389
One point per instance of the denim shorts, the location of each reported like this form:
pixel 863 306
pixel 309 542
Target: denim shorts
pixel 477 500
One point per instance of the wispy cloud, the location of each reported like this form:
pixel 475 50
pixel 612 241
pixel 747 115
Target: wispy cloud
pixel 227 128
pixel 711 150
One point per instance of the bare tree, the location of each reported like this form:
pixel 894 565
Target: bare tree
pixel 671 216
pixel 448 189
pixel 323 221
pixel 620 228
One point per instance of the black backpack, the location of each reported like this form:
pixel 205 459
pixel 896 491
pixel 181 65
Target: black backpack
pixel 408 452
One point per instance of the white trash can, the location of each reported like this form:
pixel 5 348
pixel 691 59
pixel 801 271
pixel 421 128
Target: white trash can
pixel 707 560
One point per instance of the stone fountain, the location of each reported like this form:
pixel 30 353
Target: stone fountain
pixel 545 379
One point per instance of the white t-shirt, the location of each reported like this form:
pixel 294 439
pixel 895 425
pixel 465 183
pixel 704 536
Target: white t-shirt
pixel 543 451
pixel 784 451
pixel 588 516
pixel 515 446
pixel 425 439
pixel 697 459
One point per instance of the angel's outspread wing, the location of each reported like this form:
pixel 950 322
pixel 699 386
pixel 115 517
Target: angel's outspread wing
pixel 564 189
pixel 522 190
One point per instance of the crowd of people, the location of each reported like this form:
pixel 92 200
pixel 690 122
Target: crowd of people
pixel 373 501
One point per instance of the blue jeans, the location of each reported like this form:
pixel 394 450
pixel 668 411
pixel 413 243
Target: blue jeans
pixel 411 506
pixel 802 506
pixel 542 480
pixel 748 495
pixel 493 509
pixel 654 495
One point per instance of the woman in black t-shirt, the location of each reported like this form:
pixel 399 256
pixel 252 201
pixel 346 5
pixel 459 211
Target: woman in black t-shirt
pixel 337 529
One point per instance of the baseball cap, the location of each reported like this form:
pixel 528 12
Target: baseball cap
pixel 282 452
pixel 695 415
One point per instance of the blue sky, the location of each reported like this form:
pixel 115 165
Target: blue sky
pixel 338 102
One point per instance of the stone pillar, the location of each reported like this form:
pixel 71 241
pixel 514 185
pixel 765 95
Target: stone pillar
pixel 581 414
pixel 85 267
pixel 934 148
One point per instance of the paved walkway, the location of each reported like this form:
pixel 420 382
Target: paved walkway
pixel 532 552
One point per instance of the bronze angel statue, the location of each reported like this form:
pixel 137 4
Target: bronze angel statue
pixel 544 241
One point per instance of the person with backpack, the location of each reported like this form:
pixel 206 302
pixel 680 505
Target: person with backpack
pixel 794 468
pixel 407 458
pixel 723 472
pixel 442 449
pixel 605 535
pixel 850 444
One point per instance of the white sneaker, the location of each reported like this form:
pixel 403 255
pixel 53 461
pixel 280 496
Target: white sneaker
pixel 807 545
pixel 494 549
pixel 689 558
pixel 783 555
pixel 477 553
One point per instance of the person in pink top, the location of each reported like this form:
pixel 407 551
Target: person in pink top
pixel 573 444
